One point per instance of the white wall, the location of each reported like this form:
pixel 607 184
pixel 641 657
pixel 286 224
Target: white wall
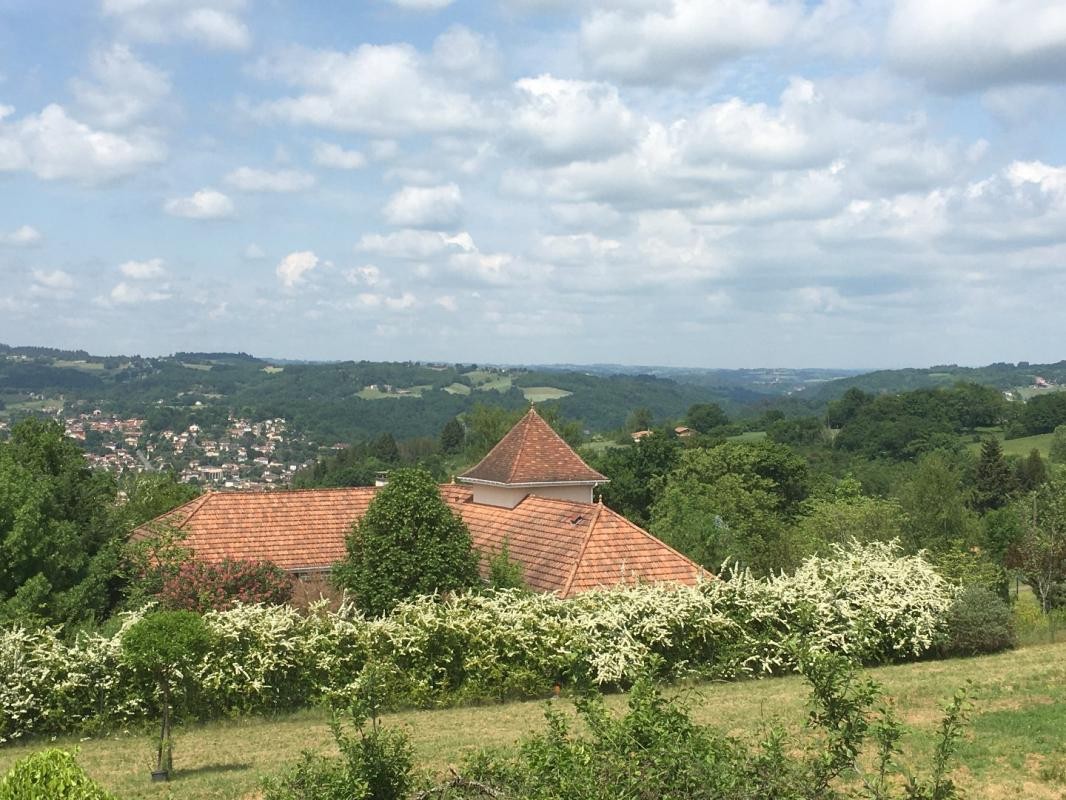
pixel 509 497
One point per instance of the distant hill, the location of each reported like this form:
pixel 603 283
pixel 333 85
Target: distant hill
pixel 1002 375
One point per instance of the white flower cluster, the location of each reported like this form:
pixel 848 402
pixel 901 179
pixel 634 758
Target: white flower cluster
pixel 865 600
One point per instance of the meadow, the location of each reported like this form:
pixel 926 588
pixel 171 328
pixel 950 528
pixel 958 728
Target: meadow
pixel 1014 743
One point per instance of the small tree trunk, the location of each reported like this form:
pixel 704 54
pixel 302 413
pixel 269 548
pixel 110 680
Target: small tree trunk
pixel 166 753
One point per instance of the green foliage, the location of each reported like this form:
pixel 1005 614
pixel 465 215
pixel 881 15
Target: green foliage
pixel 1031 472
pixel 1040 414
pixel 1039 551
pixel 934 501
pixel 59 539
pixel 408 543
pixel 452 437
pixel 152 494
pixel 848 515
pixel 734 500
pixel 165 646
pixel 50 774
pixel 636 474
pixel 165 643
pixel 705 417
pixel 655 746
pixel 375 763
pixel 1057 449
pixel 978 622
pixel 503 572
pixel 993 482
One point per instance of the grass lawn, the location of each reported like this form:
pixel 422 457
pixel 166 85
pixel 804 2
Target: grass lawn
pixel 1017 447
pixel 1015 743
pixel 376 394
pixel 457 388
pixel 537 394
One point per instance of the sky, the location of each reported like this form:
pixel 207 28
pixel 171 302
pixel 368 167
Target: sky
pixel 717 183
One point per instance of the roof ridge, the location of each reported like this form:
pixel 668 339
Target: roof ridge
pixel 581 553
pixel 521 445
pixel 200 502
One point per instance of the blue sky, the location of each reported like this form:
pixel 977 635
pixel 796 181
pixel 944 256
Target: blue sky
pixel 690 182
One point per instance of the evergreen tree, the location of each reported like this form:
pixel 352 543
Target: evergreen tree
pixel 1031 472
pixel 993 481
pixel 705 417
pixel 452 437
pixel 385 449
pixel 408 543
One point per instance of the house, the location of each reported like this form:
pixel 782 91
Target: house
pixel 638 436
pixel 684 432
pixel 532 493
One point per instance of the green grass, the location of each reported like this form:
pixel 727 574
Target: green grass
pixel 88 366
pixel 272 370
pixel 1016 447
pixel 485 381
pixel 457 388
pixel 1029 392
pixel 199 367
pixel 1014 745
pixel 538 394
pixel 376 394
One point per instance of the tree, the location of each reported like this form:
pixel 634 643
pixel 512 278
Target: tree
pixel 59 536
pixel 408 543
pixel 165 646
pixel 151 494
pixel 1031 472
pixel 639 419
pixel 935 505
pixel 1039 553
pixel 636 474
pixel 993 481
pixel 848 515
pixel 1057 449
pixel 385 449
pixel 452 437
pixel 705 417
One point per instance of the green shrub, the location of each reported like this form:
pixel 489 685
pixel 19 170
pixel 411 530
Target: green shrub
pixel 656 750
pixel 51 774
pixel 978 622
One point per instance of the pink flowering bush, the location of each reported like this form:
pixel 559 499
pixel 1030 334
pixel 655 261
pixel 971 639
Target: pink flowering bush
pixel 201 586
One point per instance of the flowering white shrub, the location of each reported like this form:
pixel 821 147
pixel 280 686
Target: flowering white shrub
pixel 865 600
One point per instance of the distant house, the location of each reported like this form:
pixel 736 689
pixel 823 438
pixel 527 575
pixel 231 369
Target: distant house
pixel 532 492
pixel 684 432
pixel 637 436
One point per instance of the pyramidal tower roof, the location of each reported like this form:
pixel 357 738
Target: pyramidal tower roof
pixel 532 454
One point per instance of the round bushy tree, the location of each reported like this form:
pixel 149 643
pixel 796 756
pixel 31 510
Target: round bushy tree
pixel 165 646
pixel 408 543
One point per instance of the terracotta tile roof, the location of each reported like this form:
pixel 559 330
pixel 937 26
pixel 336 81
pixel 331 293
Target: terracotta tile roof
pixel 532 453
pixel 563 546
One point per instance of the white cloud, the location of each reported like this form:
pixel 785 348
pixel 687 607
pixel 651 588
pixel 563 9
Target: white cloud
pixel 565 120
pixel 414 245
pixel 294 267
pixel 402 303
pixel 425 207
pixel 978 43
pixel 54 146
pixel 143 270
pixel 657 41
pixel 422 5
pixel 384 149
pixel 52 283
pixel 22 236
pixel 253 252
pixel 123 89
pixel 447 302
pixel 463 53
pixel 248 179
pixel 204 204
pixel 377 89
pixel 124 293
pixel 367 275
pixel 331 155
pixel 212 23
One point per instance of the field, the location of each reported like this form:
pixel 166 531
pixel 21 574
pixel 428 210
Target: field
pixel 369 393
pixel 1014 744
pixel 457 388
pixel 749 436
pixel 538 394
pixel 1018 447
pixel 485 381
